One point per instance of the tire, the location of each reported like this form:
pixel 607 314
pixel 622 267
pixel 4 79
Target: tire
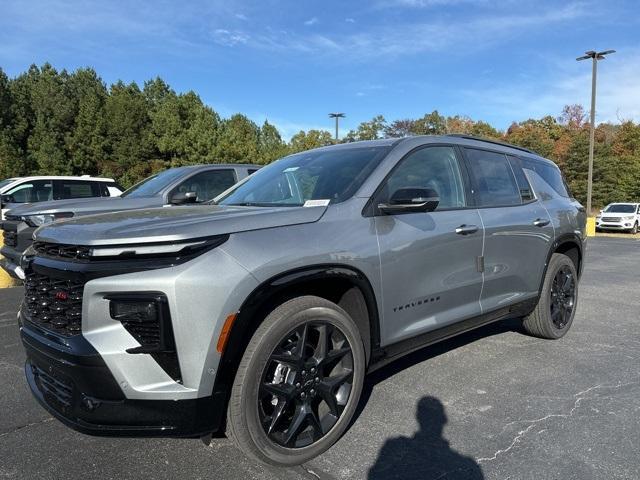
pixel 272 354
pixel 552 318
pixel 634 230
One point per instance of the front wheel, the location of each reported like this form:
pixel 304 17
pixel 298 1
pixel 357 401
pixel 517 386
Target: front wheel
pixel 298 383
pixel 634 230
pixel 556 307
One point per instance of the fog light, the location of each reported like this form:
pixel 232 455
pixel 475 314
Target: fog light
pixel 133 311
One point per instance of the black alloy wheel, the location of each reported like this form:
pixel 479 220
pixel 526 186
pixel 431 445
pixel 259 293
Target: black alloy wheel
pixel 305 384
pixel 562 297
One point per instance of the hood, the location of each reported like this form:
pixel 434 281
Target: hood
pixel 173 224
pixel 84 206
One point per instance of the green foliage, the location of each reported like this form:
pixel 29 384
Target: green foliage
pixel 311 139
pixel 57 122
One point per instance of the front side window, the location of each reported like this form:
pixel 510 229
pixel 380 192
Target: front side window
pixel 434 168
pixel 333 175
pixel 32 192
pixel 494 179
pixel 207 185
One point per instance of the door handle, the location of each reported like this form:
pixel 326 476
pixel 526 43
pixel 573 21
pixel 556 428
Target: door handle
pixel 466 229
pixel 541 222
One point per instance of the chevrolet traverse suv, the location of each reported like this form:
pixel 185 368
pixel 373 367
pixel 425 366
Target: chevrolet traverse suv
pixel 261 313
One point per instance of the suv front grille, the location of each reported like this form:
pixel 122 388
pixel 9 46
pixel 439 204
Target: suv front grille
pixel 54 304
pixel 611 219
pixel 59 251
pixel 10 238
pixel 56 390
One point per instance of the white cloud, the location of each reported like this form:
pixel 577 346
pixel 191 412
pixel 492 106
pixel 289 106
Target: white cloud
pixel 230 38
pixel 618 90
pixel 350 20
pixel 241 16
pixel 311 21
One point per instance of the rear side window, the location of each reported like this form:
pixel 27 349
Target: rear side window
pixel 549 173
pixel 494 179
pixel 526 192
pixel 77 189
pixel 31 192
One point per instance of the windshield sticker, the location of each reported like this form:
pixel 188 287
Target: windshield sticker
pixel 316 203
pixel 290 169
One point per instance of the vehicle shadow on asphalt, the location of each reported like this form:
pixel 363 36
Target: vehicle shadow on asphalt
pixel 427 454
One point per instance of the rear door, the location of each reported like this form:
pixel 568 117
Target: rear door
pixel 518 230
pixel 429 273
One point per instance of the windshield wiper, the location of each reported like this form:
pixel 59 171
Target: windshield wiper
pixel 262 204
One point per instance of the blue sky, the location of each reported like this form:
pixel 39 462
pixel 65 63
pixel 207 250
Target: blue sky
pixel 292 62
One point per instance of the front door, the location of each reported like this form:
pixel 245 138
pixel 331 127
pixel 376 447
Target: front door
pixel 428 261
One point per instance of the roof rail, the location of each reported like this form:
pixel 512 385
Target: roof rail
pixel 487 140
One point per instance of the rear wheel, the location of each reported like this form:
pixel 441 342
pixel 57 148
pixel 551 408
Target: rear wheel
pixel 556 307
pixel 298 383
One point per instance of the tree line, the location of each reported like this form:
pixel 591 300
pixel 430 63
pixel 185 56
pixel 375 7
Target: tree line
pixel 72 123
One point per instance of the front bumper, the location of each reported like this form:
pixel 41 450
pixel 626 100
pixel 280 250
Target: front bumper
pixel 17 237
pixel 10 267
pixel 614 226
pixel 70 380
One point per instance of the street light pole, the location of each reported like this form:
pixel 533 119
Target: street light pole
pixel 337 116
pixel 594 56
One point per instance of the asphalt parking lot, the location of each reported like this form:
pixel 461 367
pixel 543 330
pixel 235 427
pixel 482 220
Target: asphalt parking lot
pixel 493 404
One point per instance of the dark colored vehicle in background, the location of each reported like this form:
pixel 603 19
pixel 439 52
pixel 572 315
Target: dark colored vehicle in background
pixel 189 184
pixel 262 312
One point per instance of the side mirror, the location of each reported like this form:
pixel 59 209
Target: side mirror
pixel 181 198
pixel 411 199
pixel 4 199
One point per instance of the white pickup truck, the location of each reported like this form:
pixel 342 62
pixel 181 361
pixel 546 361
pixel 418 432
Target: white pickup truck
pixel 620 217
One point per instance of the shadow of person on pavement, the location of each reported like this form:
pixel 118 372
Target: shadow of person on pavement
pixel 426 455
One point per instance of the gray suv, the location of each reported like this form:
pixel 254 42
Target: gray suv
pixel 175 186
pixel 261 313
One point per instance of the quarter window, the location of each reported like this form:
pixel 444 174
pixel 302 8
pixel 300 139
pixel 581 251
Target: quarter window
pixel 549 173
pixel 435 168
pixel 494 179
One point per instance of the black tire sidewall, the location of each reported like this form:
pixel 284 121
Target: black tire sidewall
pixel 557 261
pixel 274 331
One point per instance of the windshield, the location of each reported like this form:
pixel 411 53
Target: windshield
pixel 6 182
pixel 621 208
pixel 332 175
pixel 153 185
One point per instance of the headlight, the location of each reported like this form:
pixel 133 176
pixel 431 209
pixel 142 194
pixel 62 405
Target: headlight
pixel 629 217
pixel 38 220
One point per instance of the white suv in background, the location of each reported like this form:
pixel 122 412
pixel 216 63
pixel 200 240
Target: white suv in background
pixel 620 217
pixel 22 190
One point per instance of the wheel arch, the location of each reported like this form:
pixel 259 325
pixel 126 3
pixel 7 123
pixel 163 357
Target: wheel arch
pixel 344 285
pixel 570 245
